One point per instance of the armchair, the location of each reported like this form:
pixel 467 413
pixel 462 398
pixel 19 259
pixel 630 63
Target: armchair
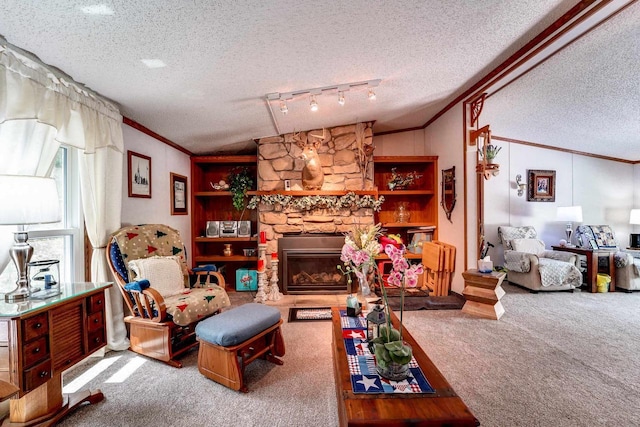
pixel 150 269
pixel 627 261
pixel 529 265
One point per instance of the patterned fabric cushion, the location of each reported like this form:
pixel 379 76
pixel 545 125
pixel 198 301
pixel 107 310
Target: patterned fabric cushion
pixel 596 237
pixel 163 273
pixel 517 261
pixel 553 272
pixel 507 234
pixel 532 246
pixel 195 304
pixel 144 241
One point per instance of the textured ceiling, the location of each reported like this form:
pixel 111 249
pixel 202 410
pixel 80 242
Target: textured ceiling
pixel 224 57
pixel 585 98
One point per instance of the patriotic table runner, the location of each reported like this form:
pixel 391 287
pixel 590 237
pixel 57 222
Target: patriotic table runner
pixel 364 378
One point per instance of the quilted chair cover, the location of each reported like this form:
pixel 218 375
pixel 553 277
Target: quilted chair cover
pixel 627 261
pixel 144 241
pixel 537 269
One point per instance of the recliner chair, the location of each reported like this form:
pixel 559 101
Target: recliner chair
pixel 531 266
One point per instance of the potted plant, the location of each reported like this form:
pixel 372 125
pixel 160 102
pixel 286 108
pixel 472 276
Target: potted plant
pixel 240 181
pixel 491 152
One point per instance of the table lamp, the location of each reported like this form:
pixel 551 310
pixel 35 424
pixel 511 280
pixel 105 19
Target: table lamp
pixel 569 214
pixel 634 218
pixel 26 200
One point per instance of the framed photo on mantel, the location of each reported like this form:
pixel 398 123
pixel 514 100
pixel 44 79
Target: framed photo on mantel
pixel 541 186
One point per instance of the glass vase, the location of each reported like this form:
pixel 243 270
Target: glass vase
pixel 393 371
pixel 363 282
pixel 402 214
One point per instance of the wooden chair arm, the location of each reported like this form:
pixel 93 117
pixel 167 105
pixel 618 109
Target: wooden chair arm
pixel 219 279
pixel 146 301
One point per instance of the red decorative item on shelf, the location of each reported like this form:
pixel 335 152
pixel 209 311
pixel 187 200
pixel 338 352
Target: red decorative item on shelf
pixel 384 241
pixel 263 237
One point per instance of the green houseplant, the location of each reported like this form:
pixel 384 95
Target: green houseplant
pixel 240 181
pixel 491 152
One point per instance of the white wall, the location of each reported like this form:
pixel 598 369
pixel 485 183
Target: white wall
pixel 156 210
pixel 604 189
pixel 401 144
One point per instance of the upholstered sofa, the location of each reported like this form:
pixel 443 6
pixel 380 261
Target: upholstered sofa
pixel 627 262
pixel 531 266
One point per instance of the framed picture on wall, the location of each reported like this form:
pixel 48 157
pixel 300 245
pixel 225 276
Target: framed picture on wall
pixel 178 194
pixel 139 173
pixel 541 186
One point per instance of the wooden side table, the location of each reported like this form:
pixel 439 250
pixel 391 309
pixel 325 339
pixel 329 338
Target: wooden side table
pixel 592 265
pixel 483 292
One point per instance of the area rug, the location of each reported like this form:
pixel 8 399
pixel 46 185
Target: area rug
pixel 302 314
pixel 449 302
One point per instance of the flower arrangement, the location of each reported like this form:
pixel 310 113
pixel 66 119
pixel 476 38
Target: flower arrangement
pixel 359 251
pixel 392 354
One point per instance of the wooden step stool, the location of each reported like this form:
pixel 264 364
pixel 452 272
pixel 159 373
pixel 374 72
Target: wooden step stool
pixel 232 339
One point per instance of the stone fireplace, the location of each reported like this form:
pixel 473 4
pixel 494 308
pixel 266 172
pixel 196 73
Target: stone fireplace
pixel 345 153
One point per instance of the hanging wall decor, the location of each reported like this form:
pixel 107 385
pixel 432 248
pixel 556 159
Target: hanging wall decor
pixel 541 186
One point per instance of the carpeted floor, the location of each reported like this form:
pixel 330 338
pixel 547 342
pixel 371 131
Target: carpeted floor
pixel 554 359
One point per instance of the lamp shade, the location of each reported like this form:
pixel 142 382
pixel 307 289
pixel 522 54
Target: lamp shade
pixel 634 216
pixel 28 200
pixel 569 213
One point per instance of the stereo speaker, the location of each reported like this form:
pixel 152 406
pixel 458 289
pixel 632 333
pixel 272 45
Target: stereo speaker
pixel 213 229
pixel 244 228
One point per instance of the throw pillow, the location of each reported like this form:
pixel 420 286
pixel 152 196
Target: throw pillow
pixel 531 246
pixel 163 273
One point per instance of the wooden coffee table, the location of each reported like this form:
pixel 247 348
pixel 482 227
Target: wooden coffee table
pixel 442 408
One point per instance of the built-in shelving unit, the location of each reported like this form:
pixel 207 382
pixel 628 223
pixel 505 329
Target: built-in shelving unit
pixel 420 198
pixel 216 205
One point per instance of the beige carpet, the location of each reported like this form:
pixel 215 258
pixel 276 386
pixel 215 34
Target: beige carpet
pixel 554 359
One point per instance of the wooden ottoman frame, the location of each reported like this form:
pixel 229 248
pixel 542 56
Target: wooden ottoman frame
pixel 225 365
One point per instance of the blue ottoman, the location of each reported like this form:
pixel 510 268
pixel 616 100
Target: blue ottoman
pixel 232 339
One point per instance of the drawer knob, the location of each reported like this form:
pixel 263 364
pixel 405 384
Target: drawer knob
pixel 36 350
pixel 97 339
pixel 44 374
pixel 38 325
pixel 99 302
pixel 67 362
pixel 95 320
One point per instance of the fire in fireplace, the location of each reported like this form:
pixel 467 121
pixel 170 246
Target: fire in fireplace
pixel 308 264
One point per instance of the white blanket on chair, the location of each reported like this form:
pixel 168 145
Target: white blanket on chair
pixel 554 272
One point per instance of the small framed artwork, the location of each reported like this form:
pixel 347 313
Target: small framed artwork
pixel 542 186
pixel 178 194
pixel 139 173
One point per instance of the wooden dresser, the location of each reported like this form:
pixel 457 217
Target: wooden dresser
pixel 39 339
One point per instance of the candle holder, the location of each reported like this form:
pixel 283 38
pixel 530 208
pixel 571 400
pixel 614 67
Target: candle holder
pixel 274 291
pixel 261 295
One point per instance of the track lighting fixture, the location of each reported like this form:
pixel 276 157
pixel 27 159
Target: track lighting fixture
pixel 282 98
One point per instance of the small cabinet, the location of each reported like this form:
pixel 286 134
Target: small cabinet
pixel 210 206
pixel 418 201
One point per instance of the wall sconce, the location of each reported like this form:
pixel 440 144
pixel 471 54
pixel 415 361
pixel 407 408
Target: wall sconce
pixel 482 137
pixel 520 185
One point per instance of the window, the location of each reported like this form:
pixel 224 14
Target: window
pixel 63 240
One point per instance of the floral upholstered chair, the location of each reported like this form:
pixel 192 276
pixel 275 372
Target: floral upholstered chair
pixel 531 266
pixel 627 261
pixel 149 266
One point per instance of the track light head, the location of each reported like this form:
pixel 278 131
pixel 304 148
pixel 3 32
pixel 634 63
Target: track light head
pixel 341 98
pixel 313 105
pixel 283 107
pixel 372 94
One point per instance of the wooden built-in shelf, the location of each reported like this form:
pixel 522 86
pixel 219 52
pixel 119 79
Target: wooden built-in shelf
pixel 405 192
pixel 222 258
pixel 407 224
pixel 202 239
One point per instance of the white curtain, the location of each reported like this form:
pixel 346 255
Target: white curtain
pixel 41 108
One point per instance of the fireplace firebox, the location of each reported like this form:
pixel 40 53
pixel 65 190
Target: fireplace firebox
pixel 308 264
